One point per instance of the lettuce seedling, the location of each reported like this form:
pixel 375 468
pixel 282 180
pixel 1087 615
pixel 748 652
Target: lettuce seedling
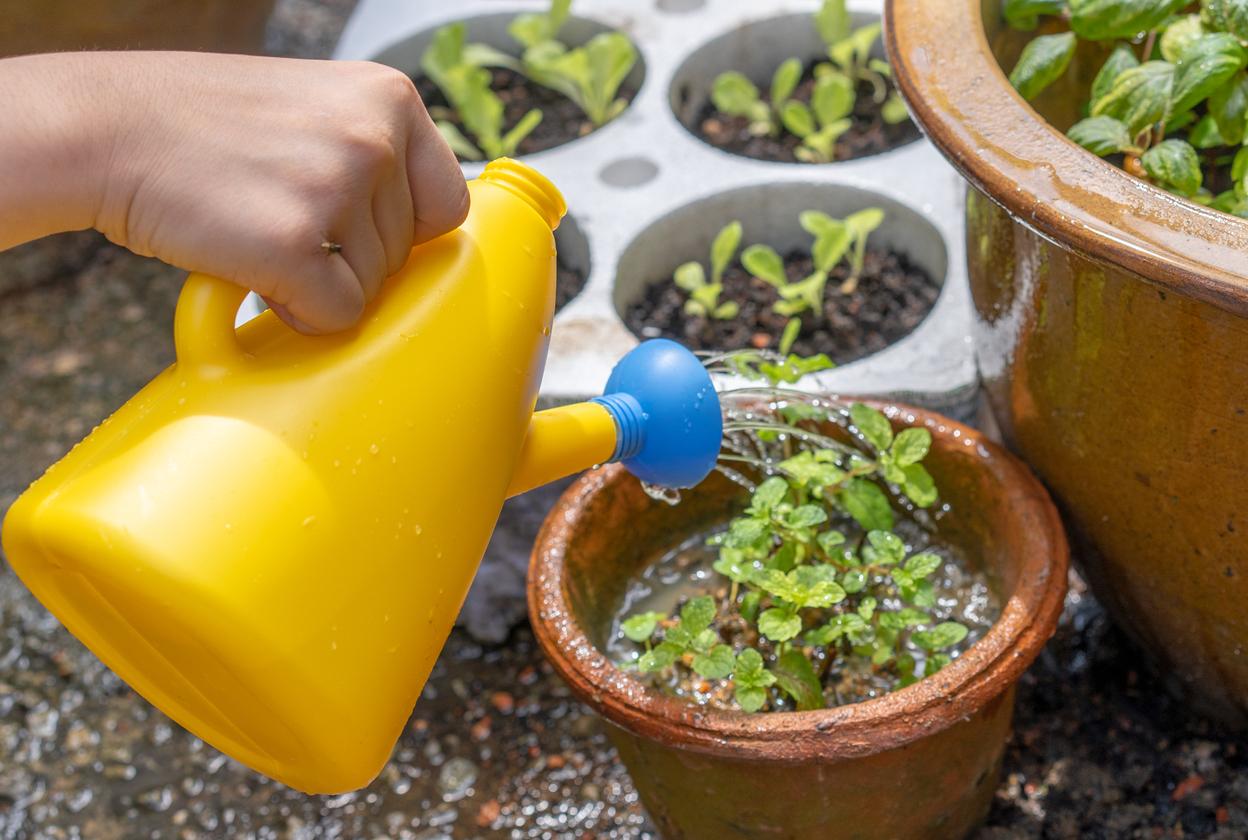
pixel 703 295
pixel 461 72
pixel 818 584
pixel 1170 100
pixel 822 121
pixel 590 75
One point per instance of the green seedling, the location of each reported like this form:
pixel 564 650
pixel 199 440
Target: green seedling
pixel 590 75
pixel 461 72
pixel 703 295
pixel 822 121
pixel 816 575
pixel 1171 99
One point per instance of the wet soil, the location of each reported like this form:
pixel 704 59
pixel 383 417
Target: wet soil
pixel 893 296
pixel 562 120
pixel 868 134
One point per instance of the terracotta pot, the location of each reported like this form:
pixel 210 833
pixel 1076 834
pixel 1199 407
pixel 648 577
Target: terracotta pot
pixel 1111 338
pixel 29 26
pixel 921 762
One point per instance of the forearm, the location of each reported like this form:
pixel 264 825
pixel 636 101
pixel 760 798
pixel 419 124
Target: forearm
pixel 56 140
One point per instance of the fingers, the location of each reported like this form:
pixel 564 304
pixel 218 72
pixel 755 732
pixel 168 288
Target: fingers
pixel 394 217
pixel 326 298
pixel 364 251
pixel 436 183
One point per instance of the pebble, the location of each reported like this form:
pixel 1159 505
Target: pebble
pixel 456 778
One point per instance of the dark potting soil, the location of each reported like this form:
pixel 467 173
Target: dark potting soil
pixel 568 284
pixel 892 298
pixel 868 135
pixel 562 120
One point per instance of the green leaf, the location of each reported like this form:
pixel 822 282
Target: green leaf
pixel 1139 97
pixel 911 446
pixel 934 663
pixel 796 677
pixel 659 658
pixel 923 565
pixel 735 95
pixel 910 617
pixel 854 581
pixel 806 516
pixel 749 605
pixel 894 110
pixel 522 129
pixel 769 494
pixel 1207 64
pixel 817 223
pixel 1228 106
pixel 1042 62
pixel 763 262
pixel 785 79
pixel 641 627
pixel 832 98
pixel 716 664
pixel 873 425
pixel 1179 36
pixel 830 247
pixel 689 276
pixel 722 249
pixel 867 504
pixel 726 311
pixel 1103 20
pixel 1025 14
pixel 459 144
pixel 1227 16
pixel 1239 168
pixel 797 118
pixel 833 21
pixel 883 548
pixel 865 222
pixel 919 486
pixel 1101 135
pixel 830 540
pixel 866 608
pixel 791 330
pixel 779 624
pixel 1121 59
pixel 1174 165
pixel 733 566
pixel 941 637
pixel 1205 134
pixel 697 614
pixel 531 29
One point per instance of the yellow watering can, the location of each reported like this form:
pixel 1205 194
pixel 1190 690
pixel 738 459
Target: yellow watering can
pixel 271 541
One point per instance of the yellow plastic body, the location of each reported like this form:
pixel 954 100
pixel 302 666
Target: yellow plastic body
pixel 271 541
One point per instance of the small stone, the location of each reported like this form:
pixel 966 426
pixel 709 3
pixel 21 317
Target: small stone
pixel 527 675
pixel 503 702
pixel 481 729
pixel 761 341
pixel 456 778
pixel 1187 787
pixel 554 762
pixel 488 813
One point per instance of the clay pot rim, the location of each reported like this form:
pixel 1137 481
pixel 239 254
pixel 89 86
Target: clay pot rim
pixel 971 682
pixel 963 101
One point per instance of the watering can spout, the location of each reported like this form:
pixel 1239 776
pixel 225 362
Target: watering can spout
pixel 659 415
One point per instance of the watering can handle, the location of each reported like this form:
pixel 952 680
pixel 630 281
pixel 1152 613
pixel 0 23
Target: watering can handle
pixel 203 323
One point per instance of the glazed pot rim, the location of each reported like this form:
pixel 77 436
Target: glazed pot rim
pixel 963 101
pixel 958 691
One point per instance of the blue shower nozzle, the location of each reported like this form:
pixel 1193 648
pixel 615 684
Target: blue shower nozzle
pixel 667 414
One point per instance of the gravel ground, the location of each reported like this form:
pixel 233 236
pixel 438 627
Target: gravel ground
pixel 496 748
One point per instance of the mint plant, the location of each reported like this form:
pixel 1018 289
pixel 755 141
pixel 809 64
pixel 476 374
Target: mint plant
pixel 589 75
pixel 703 295
pixel 461 72
pixel 1170 102
pixel 820 122
pixel 818 601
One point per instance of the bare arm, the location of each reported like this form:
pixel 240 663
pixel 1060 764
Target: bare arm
pixel 234 165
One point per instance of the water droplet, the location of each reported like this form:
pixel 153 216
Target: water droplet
pixel 373 448
pixel 307 522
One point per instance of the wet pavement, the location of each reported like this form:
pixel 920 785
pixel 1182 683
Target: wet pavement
pixel 496 747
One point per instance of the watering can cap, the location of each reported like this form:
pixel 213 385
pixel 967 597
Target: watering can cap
pixel 667 412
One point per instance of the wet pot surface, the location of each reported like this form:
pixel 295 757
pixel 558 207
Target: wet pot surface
pixel 1112 340
pixel 834 772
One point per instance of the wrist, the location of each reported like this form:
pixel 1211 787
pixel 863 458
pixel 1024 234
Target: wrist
pixel 60 134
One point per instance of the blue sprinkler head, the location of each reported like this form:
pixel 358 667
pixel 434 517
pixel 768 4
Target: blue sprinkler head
pixel 667 414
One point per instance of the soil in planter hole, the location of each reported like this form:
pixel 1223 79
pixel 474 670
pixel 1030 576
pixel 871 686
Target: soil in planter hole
pixel 868 134
pixel 562 120
pixel 892 298
pixel 962 594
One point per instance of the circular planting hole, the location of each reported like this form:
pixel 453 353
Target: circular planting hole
pixel 572 263
pixel 903 271
pixel 679 7
pixel 756 50
pixel 562 120
pixel 629 172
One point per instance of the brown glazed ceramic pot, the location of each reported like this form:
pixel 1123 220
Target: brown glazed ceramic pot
pixel 1112 340
pixel 919 763
pixel 29 26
